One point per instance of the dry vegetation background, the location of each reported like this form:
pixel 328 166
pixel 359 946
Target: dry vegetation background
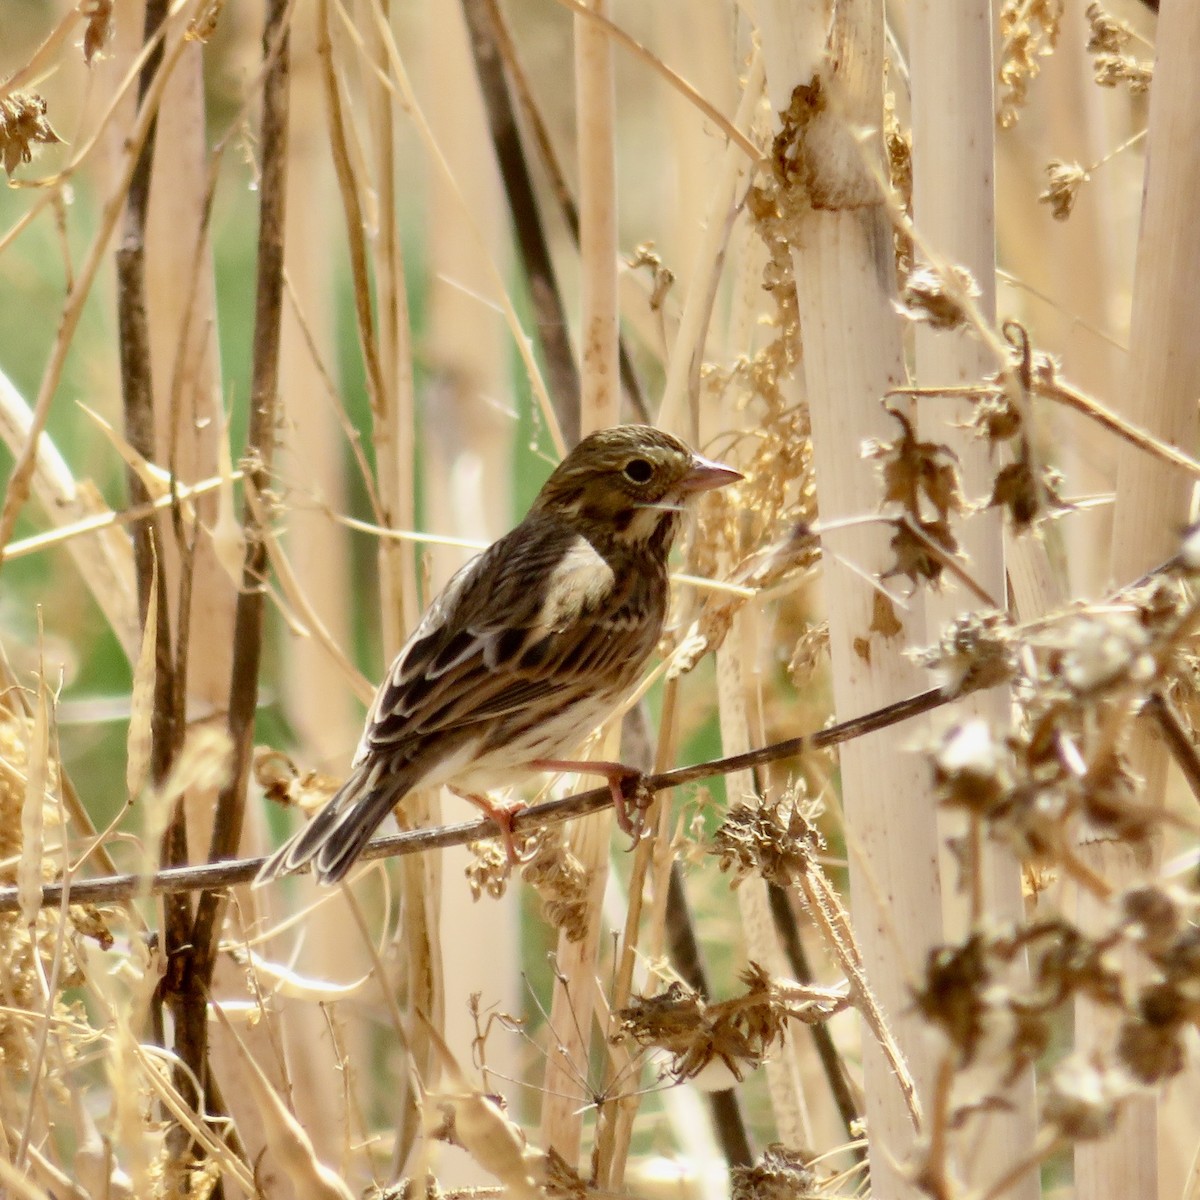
pixel 301 300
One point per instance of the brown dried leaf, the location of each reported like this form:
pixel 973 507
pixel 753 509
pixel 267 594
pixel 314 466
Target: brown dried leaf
pixel 98 29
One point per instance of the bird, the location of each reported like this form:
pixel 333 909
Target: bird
pixel 526 651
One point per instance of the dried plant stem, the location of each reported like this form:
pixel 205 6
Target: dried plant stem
pixel 831 1061
pixel 354 218
pixel 728 1119
pixel 822 900
pixel 165 716
pixel 193 983
pixel 615 1126
pixel 540 137
pixel 588 10
pixel 106 568
pixel 403 95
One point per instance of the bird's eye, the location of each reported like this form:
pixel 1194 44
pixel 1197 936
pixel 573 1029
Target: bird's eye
pixel 638 470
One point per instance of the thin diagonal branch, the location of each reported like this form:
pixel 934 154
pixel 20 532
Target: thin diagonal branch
pixel 216 875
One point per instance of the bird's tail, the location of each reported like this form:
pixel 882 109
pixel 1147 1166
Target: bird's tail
pixel 336 836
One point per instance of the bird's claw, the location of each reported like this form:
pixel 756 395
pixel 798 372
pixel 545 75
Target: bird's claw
pixel 631 799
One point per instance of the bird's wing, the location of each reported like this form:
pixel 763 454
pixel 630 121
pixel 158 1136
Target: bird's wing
pixel 538 613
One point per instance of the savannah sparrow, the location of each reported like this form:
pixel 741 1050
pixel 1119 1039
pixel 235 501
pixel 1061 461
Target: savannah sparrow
pixel 527 649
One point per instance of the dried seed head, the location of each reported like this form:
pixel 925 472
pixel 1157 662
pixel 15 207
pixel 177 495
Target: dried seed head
pixel 780 1174
pixel 763 841
pixel 1103 649
pixel 936 297
pixel 23 126
pixel 1063 184
pixel 1085 1099
pixel 1112 70
pixel 1106 34
pixel 1151 1050
pixel 977 650
pixel 1029 29
pixel 561 881
pixel 970 768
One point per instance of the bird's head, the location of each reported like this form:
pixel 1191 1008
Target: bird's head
pixel 630 484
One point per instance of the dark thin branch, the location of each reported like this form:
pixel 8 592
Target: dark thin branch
pixel 729 1124
pixel 550 313
pixel 1178 740
pixel 189 995
pixel 133 332
pixel 831 1062
pixel 138 395
pixel 218 875
pixel 495 55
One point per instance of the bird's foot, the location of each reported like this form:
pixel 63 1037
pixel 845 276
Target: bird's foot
pixel 503 815
pixel 627 786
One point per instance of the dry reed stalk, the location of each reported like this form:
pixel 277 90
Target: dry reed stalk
pixel 843 270
pixel 595 139
pixel 1063 278
pixel 572 1008
pixel 321 703
pixel 678 406
pixel 196 958
pixel 1153 500
pixel 467 446
pixel 393 435
pixel 953 123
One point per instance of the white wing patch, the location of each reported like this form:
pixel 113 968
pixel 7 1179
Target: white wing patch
pixel 581 580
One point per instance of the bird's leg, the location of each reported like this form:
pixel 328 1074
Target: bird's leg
pixel 503 815
pixel 630 799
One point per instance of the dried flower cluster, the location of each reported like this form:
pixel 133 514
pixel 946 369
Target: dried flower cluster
pixel 23 125
pixel 780 1174
pixel 766 841
pixel 968 994
pixel 1029 32
pixel 1081 680
pixel 737 1033
pixel 1108 43
pixel 1064 181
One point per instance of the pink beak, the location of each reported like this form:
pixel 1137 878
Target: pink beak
pixel 706 475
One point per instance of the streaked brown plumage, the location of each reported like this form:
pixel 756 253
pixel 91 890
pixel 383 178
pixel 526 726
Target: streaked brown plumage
pixel 528 648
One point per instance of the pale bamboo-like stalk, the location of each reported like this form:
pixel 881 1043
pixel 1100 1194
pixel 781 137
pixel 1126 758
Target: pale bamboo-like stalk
pixel 320 705
pixel 573 1005
pixel 600 396
pixel 394 434
pixel 1160 395
pixel 683 366
pixel 844 273
pixel 953 123
pixel 467 453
